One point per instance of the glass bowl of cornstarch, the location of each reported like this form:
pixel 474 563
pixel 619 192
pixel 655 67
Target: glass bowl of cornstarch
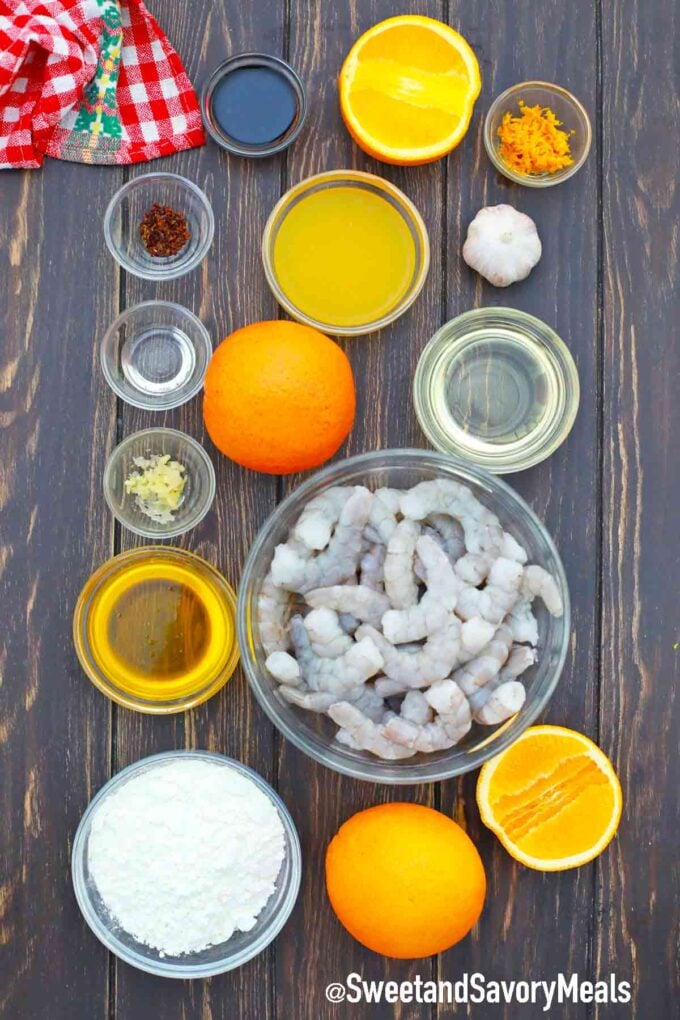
pixel 186 864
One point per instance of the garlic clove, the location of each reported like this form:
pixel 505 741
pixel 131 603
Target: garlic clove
pixel 502 245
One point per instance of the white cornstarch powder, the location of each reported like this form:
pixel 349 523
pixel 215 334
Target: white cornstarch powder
pixel 185 854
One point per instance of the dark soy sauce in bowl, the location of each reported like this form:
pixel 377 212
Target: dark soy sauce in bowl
pixel 254 105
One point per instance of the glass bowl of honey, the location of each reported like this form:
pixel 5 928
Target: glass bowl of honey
pixel 154 630
pixel 345 252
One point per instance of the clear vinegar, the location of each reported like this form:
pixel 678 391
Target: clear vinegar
pixel 495 389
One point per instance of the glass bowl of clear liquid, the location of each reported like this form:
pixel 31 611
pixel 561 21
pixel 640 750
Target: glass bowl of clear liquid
pixel 155 355
pixel 498 387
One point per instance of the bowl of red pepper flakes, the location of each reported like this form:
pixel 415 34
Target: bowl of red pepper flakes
pixel 159 226
pixel 537 134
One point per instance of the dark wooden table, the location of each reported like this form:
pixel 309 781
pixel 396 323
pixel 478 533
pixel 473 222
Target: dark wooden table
pixel 609 496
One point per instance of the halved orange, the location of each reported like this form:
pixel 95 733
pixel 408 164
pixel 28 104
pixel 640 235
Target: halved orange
pixel 407 89
pixel 552 798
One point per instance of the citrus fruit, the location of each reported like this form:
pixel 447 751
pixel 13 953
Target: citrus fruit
pixel 552 798
pixel 279 397
pixel 407 89
pixel 405 880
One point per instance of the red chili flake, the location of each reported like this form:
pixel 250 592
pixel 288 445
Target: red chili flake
pixel 164 231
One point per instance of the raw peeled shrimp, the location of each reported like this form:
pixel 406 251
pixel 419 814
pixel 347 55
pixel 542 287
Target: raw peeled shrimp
pixel 448 727
pixel 311 701
pixel 355 599
pixel 519 660
pixel 451 534
pixel 293 568
pixel 523 624
pixel 416 708
pixel 431 613
pixel 401 586
pixel 432 662
pixel 284 668
pixel 538 583
pixel 479 671
pixel 475 635
pixel 371 566
pixel 272 616
pixel 327 637
pixel 382 519
pixel 316 522
pixel 349 670
pixel 363 734
pixel 500 595
pixel 503 702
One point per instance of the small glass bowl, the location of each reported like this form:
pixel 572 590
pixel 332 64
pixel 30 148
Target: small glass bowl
pixel 155 355
pixel 314 733
pixel 232 145
pixel 106 664
pixel 199 490
pixel 126 211
pixel 237 950
pixel 356 179
pixel 566 108
pixel 498 387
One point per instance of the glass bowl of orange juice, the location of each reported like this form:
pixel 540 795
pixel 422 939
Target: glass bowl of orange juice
pixel 346 252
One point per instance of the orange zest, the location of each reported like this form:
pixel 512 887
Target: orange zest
pixel 552 798
pixel 407 89
pixel 534 142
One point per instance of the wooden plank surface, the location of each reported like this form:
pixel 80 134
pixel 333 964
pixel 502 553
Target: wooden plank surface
pixel 639 718
pixel 609 496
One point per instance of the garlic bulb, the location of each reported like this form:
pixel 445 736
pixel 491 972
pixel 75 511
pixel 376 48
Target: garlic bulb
pixel 502 244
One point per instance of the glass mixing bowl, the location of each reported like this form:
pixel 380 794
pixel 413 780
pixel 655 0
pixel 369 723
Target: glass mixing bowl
pixel 314 734
pixel 242 946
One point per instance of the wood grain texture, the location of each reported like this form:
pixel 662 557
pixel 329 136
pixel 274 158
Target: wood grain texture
pixel 54 726
pixel 637 893
pixel 552 42
pixel 609 496
pixel 227 291
pixel 314 950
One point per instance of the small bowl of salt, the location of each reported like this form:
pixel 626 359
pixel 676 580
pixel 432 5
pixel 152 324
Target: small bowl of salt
pixel 186 864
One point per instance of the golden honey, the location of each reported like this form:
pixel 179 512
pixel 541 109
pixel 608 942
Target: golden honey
pixel 154 629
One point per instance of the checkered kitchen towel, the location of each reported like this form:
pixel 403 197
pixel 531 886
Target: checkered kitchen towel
pixel 94 81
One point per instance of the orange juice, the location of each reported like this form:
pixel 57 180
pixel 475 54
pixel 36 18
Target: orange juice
pixel 345 255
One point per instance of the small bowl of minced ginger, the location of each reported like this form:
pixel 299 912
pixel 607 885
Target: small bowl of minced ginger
pixel 159 483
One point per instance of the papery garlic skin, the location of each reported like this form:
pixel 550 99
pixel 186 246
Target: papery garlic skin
pixel 502 245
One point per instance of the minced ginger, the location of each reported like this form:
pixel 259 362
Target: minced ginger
pixel 534 142
pixel 158 485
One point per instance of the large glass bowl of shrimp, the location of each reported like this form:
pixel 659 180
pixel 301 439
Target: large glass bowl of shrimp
pixel 403 616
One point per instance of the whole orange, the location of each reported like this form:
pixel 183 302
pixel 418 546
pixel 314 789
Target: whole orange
pixel 405 880
pixel 279 397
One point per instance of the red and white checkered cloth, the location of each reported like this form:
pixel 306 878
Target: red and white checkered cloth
pixel 94 81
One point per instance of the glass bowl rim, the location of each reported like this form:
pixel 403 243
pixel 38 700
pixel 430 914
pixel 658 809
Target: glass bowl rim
pixel 379 771
pixel 205 342
pixel 180 529
pixel 264 60
pixel 549 180
pixel 81 614
pixel 159 969
pixel 409 212
pixel 181 266
pixel 553 341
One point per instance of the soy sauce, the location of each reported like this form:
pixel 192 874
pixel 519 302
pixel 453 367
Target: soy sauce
pixel 254 105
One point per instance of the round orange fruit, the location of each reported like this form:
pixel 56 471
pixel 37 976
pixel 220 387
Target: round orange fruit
pixel 279 397
pixel 552 798
pixel 407 89
pixel 405 880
